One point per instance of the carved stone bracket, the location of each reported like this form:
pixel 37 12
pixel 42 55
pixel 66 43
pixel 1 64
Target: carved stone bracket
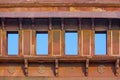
pixel 33 21
pixel 56 67
pixel 62 23
pixel 3 23
pixel 93 24
pixel 110 22
pixel 80 24
pixel 20 23
pixel 50 23
pixel 86 67
pixel 117 67
pixel 26 67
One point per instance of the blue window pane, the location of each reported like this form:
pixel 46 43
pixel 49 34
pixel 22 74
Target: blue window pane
pixel 100 43
pixel 71 43
pixel 42 43
pixel 12 44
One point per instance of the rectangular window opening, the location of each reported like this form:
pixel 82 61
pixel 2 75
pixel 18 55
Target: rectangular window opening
pixel 71 43
pixel 100 43
pixel 42 43
pixel 12 40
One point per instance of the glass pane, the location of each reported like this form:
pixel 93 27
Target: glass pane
pixel 100 43
pixel 42 43
pixel 12 44
pixel 71 43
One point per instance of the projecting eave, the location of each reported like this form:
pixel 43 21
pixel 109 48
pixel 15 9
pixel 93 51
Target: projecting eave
pixel 60 14
pixel 36 3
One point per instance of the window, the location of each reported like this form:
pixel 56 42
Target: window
pixel 100 43
pixel 12 43
pixel 71 43
pixel 42 43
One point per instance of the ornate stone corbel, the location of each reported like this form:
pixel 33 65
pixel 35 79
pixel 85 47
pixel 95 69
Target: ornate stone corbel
pixel 117 67
pixel 56 67
pixel 93 24
pixel 3 23
pixel 20 23
pixel 62 23
pixel 26 67
pixel 110 22
pixel 50 23
pixel 80 23
pixel 33 21
pixel 86 67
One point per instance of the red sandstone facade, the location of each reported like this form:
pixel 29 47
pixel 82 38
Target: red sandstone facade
pixel 55 17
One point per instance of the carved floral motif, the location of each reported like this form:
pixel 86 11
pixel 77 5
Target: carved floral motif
pixel 11 69
pixel 101 69
pixel 41 69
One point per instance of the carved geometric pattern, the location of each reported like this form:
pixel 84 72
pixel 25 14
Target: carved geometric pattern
pixel 11 69
pixel 101 69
